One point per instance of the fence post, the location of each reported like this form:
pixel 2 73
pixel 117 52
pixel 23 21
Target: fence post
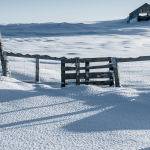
pixel 37 68
pixel 1 56
pixel 111 70
pixel 87 72
pixel 5 64
pixel 115 70
pixel 63 81
pixel 77 71
pixel 3 60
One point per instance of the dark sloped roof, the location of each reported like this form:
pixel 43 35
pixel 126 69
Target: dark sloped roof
pixel 146 5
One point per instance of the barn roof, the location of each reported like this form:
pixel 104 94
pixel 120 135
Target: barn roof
pixel 145 7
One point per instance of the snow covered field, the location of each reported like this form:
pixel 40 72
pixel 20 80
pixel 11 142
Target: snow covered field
pixel 46 117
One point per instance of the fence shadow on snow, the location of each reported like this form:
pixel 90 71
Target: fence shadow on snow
pixel 111 110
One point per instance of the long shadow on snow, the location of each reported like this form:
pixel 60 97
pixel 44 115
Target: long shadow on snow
pixel 35 107
pixel 124 112
pixel 11 95
pixel 127 114
pixel 24 122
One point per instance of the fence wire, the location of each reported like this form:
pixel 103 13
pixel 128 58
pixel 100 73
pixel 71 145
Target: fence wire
pixel 24 69
pixel 50 71
pixel 21 68
pixel 135 74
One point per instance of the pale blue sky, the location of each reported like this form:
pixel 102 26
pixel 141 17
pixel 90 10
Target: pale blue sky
pixel 27 11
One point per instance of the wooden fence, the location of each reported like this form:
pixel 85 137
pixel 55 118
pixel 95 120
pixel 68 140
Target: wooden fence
pixel 109 78
pixel 112 76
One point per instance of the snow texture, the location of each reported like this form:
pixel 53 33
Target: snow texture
pixel 45 117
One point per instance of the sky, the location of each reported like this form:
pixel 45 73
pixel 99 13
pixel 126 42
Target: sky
pixel 40 11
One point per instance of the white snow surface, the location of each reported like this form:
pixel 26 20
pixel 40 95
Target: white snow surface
pixel 46 117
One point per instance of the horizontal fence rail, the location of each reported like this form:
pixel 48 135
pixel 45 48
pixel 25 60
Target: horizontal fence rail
pixel 32 56
pixel 141 58
pixel 88 67
pixel 83 60
pixel 90 75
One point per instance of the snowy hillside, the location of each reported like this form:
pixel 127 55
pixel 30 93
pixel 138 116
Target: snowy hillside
pixel 45 117
pixel 64 29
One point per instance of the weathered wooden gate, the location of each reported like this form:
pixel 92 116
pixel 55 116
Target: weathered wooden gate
pixel 89 72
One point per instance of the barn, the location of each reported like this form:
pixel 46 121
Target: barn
pixel 141 14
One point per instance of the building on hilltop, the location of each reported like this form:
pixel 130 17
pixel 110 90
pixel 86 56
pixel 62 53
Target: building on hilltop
pixel 141 14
